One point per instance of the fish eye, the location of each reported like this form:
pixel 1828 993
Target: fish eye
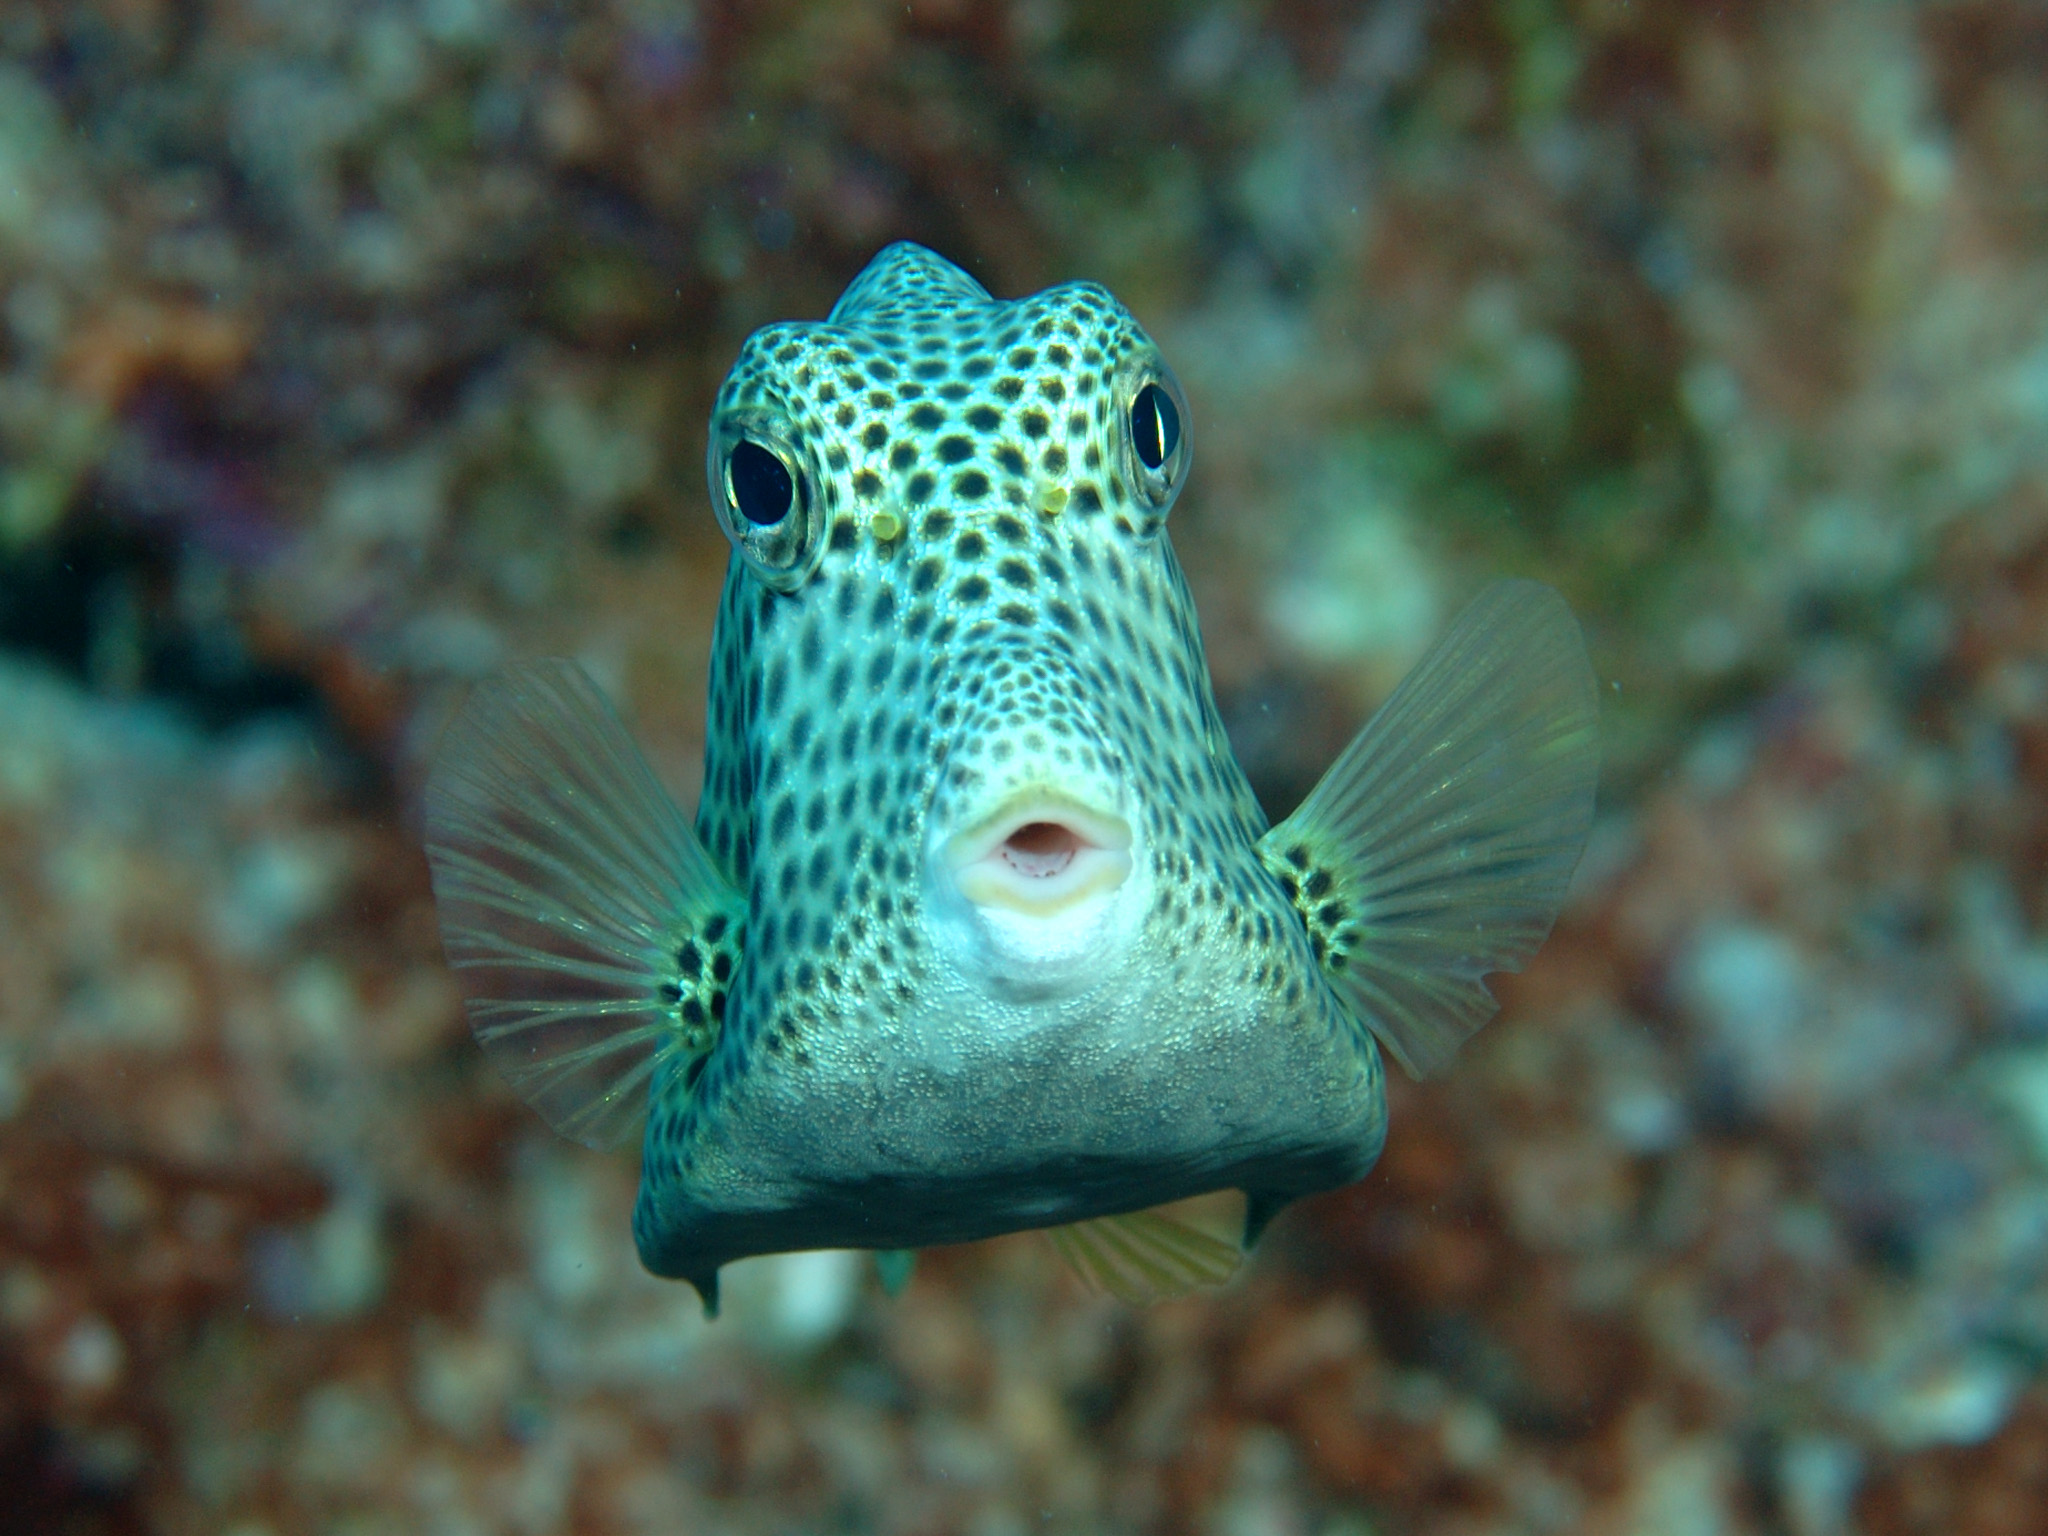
pixel 1155 426
pixel 1155 439
pixel 767 503
pixel 759 483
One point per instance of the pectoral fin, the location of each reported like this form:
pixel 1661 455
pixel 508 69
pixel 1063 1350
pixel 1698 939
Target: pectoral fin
pixel 1438 847
pixel 590 931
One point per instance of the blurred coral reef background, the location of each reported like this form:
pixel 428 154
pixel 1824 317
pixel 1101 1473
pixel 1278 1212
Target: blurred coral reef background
pixel 348 350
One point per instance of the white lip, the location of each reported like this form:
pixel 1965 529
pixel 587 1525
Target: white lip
pixel 1039 854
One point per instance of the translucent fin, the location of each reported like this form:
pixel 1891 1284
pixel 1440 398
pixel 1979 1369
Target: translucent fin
pixel 1452 824
pixel 893 1267
pixel 1166 1251
pixel 565 877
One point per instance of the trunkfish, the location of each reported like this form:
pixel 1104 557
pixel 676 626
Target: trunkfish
pixel 979 927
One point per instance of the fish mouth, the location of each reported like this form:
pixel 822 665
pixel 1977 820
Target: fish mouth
pixel 1038 855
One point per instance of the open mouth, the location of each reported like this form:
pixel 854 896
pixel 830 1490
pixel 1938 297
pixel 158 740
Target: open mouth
pixel 1039 855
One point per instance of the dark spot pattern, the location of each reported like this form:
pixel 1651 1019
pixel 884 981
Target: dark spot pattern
pixel 1313 884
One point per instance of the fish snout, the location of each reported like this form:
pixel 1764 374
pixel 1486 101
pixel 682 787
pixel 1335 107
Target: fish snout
pixel 1039 854
pixel 1036 891
pixel 1036 867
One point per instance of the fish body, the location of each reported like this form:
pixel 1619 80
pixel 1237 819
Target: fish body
pixel 979 926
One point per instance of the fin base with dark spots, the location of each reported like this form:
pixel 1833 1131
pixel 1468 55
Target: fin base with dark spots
pixel 568 886
pixel 1439 846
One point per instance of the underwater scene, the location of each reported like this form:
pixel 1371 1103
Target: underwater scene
pixel 965 769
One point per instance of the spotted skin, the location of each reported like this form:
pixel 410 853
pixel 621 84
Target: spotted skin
pixel 1316 887
pixel 707 958
pixel 972 592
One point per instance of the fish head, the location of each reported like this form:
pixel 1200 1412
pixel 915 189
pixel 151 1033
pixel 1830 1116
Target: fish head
pixel 954 612
pixel 1004 914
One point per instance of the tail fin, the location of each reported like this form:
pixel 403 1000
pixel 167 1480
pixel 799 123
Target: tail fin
pixel 1152 1255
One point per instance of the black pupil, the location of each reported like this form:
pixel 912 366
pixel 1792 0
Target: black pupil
pixel 760 484
pixel 1155 426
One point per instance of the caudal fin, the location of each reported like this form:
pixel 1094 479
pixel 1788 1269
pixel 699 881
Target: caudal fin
pixel 567 880
pixel 1152 1255
pixel 1438 847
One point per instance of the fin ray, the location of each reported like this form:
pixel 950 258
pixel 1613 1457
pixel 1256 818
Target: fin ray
pixel 564 875
pixel 1454 821
pixel 1151 1255
pixel 596 900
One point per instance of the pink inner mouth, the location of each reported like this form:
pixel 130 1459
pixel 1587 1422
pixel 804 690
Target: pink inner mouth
pixel 1041 849
pixel 1039 856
